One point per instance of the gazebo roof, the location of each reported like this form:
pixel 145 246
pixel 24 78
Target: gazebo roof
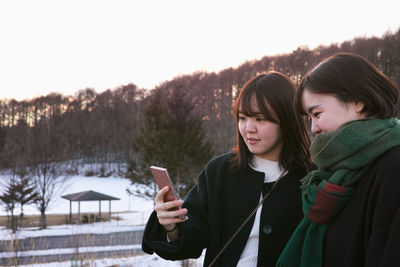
pixel 88 196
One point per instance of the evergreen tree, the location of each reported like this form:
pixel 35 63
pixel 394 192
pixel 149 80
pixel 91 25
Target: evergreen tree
pixel 173 137
pixel 19 191
pixel 25 193
pixel 9 200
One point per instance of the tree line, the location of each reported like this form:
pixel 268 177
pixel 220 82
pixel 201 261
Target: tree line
pixel 121 131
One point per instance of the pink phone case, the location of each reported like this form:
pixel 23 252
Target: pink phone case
pixel 162 179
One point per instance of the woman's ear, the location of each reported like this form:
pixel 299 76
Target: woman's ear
pixel 358 106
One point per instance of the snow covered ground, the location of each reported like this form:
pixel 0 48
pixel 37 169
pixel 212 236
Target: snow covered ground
pixel 139 261
pixel 134 214
pixel 112 186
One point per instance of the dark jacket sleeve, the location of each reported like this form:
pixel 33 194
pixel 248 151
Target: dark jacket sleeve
pixel 193 234
pixel 384 241
pixel 391 254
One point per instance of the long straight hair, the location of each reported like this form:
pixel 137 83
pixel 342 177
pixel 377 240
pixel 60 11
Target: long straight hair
pixel 274 93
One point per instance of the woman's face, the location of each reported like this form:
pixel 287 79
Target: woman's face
pixel 327 112
pixel 262 137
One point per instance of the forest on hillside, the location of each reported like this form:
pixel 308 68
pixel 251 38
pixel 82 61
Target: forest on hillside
pixel 58 133
pixel 91 127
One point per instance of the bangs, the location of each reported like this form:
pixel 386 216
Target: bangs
pixel 298 103
pixel 254 103
pixel 298 95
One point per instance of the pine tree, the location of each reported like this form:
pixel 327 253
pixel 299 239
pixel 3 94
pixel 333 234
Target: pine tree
pixel 171 137
pixel 9 199
pixel 19 191
pixel 26 194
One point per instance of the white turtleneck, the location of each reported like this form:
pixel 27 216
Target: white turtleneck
pixel 272 172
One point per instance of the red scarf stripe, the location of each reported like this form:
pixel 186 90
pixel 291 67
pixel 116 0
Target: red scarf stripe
pixel 333 188
pixel 325 204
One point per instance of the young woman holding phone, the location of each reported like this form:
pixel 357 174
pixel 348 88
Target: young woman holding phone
pixel 271 155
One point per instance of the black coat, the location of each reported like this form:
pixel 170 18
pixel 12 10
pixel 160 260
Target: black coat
pixel 217 206
pixel 367 232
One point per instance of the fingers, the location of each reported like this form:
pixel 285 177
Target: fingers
pixel 172 208
pixel 168 212
pixel 169 205
pixel 166 218
pixel 160 195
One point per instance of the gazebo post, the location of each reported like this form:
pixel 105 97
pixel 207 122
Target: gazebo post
pixel 70 211
pixel 109 210
pixel 79 212
pixel 99 208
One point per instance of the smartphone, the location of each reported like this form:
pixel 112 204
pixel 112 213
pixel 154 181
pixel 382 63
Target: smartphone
pixel 162 179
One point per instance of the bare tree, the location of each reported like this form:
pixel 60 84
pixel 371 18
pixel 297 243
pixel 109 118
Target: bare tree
pixel 47 164
pixel 49 183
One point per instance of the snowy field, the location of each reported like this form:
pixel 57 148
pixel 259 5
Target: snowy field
pixel 134 214
pixel 112 186
pixel 139 261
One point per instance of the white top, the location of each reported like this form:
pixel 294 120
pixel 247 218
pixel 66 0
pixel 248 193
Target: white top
pixel 272 172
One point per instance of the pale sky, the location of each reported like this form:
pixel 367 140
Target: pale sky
pixel 65 46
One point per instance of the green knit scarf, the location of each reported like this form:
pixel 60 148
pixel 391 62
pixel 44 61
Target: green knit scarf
pixel 342 157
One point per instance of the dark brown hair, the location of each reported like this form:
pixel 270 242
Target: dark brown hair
pixel 274 94
pixel 352 78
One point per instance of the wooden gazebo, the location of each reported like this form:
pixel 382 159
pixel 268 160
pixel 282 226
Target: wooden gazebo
pixel 88 196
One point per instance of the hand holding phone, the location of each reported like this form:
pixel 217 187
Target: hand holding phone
pixel 162 180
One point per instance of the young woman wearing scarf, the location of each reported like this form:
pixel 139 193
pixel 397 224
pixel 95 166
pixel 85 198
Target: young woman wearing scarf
pixel 351 202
